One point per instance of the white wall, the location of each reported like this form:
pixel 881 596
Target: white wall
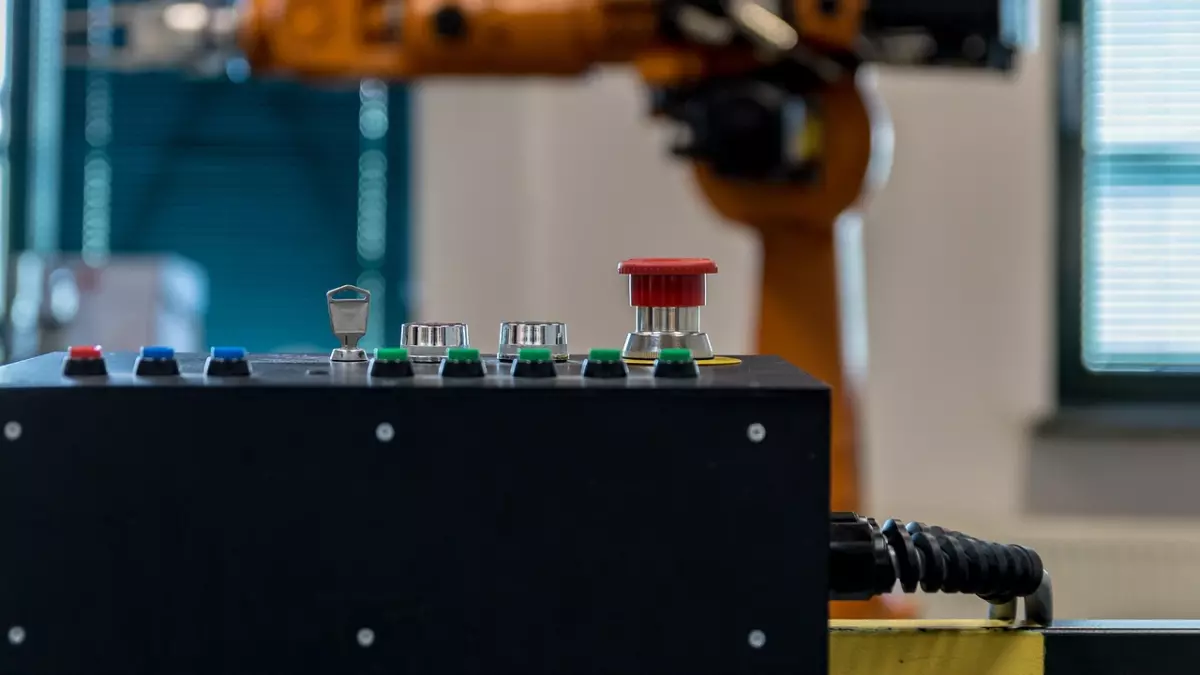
pixel 959 258
pixel 530 194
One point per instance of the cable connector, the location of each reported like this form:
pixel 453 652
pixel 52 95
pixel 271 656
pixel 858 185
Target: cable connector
pixel 868 560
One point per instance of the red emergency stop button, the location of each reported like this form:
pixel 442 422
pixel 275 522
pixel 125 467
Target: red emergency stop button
pixel 667 282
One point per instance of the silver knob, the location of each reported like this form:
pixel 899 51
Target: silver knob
pixel 428 342
pixel 517 334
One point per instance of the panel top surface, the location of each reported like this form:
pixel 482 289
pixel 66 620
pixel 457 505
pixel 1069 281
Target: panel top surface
pixel 315 370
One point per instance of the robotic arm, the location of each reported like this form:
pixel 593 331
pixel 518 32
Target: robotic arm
pixel 765 94
pixel 748 82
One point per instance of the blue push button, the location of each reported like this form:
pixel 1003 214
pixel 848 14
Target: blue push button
pixel 228 353
pixel 158 353
pixel 227 362
pixel 156 362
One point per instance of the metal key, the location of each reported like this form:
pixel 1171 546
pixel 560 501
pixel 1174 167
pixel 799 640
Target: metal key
pixel 348 320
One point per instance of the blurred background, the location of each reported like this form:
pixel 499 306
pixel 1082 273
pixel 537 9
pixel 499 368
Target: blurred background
pixel 1031 265
pixel 221 210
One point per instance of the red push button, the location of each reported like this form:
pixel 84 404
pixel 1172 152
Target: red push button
pixel 667 282
pixel 84 361
pixel 660 266
pixel 85 353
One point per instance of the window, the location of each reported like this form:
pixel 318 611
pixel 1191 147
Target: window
pixel 279 190
pixel 5 124
pixel 1130 170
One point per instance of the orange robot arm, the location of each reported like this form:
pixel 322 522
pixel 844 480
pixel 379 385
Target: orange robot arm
pixel 776 119
pixel 777 122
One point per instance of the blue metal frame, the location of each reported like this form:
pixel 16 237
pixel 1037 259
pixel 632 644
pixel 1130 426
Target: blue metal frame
pixel 279 190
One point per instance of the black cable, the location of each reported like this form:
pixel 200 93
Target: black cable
pixel 868 560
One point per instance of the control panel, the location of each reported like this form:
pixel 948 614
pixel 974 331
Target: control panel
pixel 464 499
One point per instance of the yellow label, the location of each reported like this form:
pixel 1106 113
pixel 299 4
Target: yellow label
pixel 714 361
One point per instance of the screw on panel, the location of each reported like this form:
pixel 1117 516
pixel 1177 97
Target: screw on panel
pixel 384 432
pixel 12 430
pixel 366 637
pixel 757 639
pixel 16 635
pixel 756 432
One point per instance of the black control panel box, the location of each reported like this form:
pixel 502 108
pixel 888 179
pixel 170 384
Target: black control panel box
pixel 308 518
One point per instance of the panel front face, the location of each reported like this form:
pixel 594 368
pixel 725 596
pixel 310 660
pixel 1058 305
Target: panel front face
pixel 495 530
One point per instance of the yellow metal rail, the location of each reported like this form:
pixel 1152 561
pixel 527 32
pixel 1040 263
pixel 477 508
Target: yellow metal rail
pixel 934 648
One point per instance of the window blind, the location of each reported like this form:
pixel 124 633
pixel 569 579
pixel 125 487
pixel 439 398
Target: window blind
pixel 1141 248
pixel 279 190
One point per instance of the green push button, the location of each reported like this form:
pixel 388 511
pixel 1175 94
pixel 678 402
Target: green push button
pixel 604 355
pixel 534 354
pixel 391 354
pixel 675 355
pixel 462 354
